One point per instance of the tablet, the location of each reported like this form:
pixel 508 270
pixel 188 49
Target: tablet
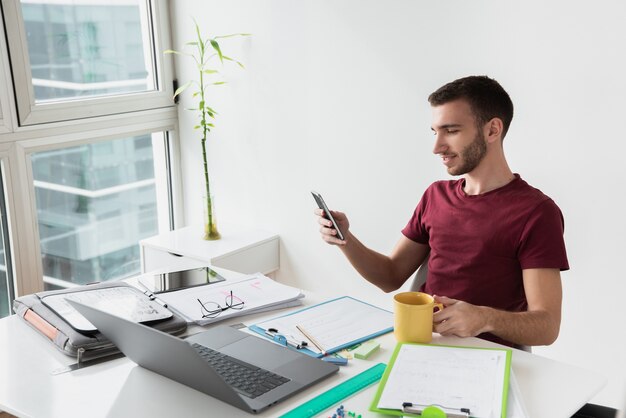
pixel 123 301
pixel 182 279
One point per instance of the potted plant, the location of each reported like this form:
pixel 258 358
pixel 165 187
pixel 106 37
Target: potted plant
pixel 205 52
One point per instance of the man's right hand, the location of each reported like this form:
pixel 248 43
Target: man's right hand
pixel 329 234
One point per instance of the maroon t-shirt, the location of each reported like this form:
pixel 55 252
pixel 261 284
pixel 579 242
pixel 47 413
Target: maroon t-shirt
pixel 479 244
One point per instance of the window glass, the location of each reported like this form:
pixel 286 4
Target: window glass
pixel 94 203
pixel 5 299
pixel 87 48
pixel 6 279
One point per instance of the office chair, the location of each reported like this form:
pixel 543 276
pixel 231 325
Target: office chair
pixel 420 275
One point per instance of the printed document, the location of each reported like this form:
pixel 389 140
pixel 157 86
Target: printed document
pixel 257 292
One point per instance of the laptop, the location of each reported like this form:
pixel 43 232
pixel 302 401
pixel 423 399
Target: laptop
pixel 233 366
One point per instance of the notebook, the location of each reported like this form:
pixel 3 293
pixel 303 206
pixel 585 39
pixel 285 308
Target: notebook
pixel 201 359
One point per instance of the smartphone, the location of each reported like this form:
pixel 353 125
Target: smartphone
pixel 322 205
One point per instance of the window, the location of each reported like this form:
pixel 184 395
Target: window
pixel 94 203
pixel 6 276
pixel 83 58
pixel 86 49
pixel 86 117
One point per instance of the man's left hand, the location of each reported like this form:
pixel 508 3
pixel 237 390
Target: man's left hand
pixel 459 318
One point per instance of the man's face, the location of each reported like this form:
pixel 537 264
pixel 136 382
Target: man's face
pixel 457 140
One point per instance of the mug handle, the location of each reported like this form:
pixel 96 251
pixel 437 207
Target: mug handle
pixel 439 307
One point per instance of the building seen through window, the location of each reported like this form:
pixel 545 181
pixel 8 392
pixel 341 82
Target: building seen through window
pixel 81 49
pixel 94 203
pixel 5 294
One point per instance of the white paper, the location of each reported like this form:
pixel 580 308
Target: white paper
pixel 258 292
pixel 449 377
pixel 333 324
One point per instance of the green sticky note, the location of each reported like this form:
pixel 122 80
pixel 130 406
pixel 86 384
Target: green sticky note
pixel 366 349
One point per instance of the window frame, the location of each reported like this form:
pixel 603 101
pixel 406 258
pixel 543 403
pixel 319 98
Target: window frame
pixel 25 210
pixel 6 120
pixel 6 229
pixel 19 141
pixel 31 113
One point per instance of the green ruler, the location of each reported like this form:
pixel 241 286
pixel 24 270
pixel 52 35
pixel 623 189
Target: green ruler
pixel 338 393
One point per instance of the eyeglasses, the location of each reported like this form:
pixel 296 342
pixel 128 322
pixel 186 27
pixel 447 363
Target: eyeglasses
pixel 213 309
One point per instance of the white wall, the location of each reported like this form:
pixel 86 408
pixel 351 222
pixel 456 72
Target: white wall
pixel 334 98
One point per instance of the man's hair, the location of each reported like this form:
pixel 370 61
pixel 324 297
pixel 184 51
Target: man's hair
pixel 486 98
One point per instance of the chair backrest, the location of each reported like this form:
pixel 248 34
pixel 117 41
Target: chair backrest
pixel 420 275
pixel 621 413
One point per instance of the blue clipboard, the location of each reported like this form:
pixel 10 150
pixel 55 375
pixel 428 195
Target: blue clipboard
pixel 330 322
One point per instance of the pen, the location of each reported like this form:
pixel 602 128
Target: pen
pixel 151 295
pixel 310 338
pixel 159 301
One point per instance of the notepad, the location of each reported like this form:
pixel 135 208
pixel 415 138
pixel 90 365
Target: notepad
pixel 452 377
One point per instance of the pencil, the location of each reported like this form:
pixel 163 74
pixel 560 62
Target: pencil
pixel 310 338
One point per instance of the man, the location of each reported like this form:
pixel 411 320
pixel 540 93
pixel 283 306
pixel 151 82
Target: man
pixel 495 243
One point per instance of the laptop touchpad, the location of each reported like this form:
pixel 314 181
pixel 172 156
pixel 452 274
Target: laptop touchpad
pixel 261 353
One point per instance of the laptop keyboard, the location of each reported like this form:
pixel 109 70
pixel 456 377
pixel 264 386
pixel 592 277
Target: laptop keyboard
pixel 245 378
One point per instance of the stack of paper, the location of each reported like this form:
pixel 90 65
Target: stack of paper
pixel 258 293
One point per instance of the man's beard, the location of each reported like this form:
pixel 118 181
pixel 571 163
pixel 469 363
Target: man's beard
pixel 470 156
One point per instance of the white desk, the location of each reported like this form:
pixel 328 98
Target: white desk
pixel 240 249
pixel 119 388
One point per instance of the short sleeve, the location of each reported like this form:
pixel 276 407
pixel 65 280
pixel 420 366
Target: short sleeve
pixel 541 243
pixel 415 229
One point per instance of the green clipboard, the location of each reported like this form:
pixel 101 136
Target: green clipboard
pixel 433 411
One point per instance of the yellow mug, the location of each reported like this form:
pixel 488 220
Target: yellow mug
pixel 413 317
